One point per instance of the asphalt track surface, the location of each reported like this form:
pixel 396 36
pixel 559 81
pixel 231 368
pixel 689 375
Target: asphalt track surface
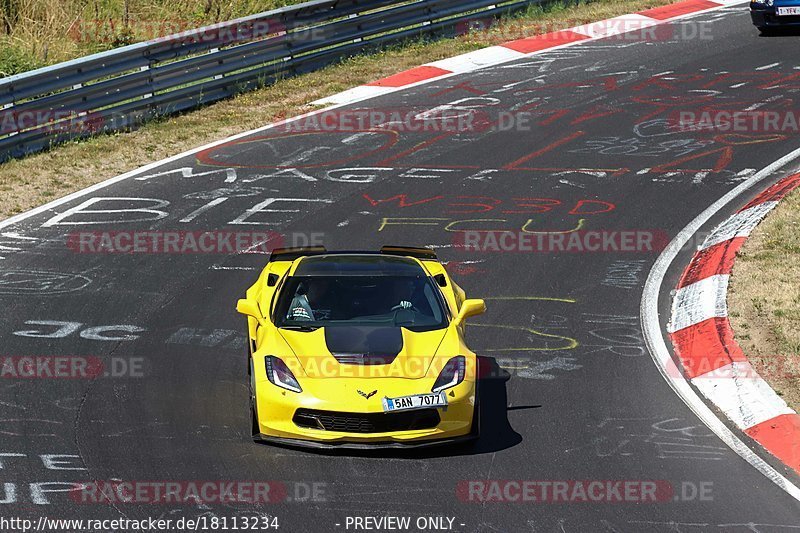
pixel 582 399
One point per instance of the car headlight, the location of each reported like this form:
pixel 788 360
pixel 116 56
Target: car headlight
pixel 451 375
pixel 279 374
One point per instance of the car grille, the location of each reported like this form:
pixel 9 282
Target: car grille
pixel 366 422
pixel 364 359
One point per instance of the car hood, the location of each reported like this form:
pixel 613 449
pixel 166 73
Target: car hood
pixel 362 351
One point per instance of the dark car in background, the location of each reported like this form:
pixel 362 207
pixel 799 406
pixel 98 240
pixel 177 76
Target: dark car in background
pixel 771 15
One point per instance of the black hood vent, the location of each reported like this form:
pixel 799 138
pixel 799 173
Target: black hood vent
pixel 364 345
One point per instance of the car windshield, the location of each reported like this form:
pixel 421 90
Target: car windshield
pixel 413 302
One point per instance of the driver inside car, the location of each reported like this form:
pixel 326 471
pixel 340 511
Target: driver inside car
pixel 309 301
pixel 403 294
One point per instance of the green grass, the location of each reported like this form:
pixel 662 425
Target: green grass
pixel 764 299
pixel 36 33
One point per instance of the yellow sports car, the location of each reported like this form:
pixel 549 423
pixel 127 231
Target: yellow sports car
pixel 360 350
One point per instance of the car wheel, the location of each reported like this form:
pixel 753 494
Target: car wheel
pixel 255 431
pixel 767 30
pixel 470 444
pixel 475 431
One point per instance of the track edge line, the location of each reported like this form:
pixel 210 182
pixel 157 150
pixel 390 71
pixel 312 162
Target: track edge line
pixel 654 333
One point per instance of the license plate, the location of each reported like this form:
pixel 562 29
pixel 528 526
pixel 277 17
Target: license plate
pixel 793 10
pixel 416 401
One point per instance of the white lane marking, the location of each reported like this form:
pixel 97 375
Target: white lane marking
pixel 765 67
pixel 699 301
pixel 745 398
pixel 220 267
pixel 362 92
pixel 188 172
pixel 197 212
pixel 741 224
pixel 616 25
pixel 657 346
pixel 478 59
pixel 475 262
pixel 15 235
pixel 761 104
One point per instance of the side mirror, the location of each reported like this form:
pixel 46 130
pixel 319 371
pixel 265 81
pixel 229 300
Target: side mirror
pixel 470 308
pixel 251 308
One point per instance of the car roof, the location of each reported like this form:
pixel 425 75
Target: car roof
pixel 358 264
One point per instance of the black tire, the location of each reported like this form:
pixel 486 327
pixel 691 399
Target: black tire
pixel 255 431
pixel 475 431
pixel 471 441
pixel 767 30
